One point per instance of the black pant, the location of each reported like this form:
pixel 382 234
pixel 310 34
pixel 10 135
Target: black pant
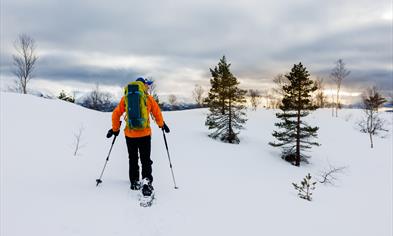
pixel 143 145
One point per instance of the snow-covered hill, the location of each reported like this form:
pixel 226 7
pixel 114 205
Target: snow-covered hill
pixel 224 189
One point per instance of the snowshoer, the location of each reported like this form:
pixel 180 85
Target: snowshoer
pixel 138 104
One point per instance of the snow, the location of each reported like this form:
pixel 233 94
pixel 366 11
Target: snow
pixel 224 189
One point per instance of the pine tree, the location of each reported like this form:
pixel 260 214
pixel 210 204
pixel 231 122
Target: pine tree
pixel 62 95
pixel 65 97
pixel 305 188
pixel 294 134
pixel 226 104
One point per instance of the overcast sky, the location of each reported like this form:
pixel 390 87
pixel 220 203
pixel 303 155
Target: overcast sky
pixel 176 42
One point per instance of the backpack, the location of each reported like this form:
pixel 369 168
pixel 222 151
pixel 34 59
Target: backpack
pixel 135 98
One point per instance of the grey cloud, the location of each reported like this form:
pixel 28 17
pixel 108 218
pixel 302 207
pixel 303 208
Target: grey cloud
pixel 260 38
pixel 62 68
pixel 366 51
pixel 367 42
pixel 87 74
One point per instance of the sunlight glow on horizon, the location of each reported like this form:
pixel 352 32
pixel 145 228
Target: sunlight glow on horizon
pixel 388 15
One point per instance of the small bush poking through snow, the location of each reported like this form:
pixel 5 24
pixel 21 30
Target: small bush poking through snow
pixel 305 188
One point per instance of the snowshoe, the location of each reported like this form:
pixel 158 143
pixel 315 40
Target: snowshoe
pixel 147 190
pixel 147 194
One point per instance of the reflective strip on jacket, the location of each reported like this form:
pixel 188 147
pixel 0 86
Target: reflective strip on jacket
pixel 152 108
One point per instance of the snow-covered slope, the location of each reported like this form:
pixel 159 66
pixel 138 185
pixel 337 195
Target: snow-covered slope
pixel 224 189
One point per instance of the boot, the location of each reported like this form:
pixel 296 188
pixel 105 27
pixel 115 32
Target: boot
pixel 135 185
pixel 147 188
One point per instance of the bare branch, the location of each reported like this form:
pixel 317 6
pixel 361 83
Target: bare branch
pixel 330 175
pixel 78 139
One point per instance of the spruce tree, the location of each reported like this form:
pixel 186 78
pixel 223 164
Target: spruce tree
pixel 294 134
pixel 226 104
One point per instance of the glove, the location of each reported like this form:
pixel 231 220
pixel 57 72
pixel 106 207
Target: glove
pixel 165 128
pixel 111 132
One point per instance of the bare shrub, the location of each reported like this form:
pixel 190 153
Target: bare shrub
pixel 172 99
pixel 331 174
pixel 371 122
pixel 255 97
pixel 78 140
pixel 197 94
pixel 24 61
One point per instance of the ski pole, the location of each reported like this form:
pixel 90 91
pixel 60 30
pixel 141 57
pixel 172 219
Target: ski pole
pixel 107 159
pixel 169 158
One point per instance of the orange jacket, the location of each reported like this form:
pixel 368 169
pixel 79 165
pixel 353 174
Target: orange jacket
pixel 152 108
